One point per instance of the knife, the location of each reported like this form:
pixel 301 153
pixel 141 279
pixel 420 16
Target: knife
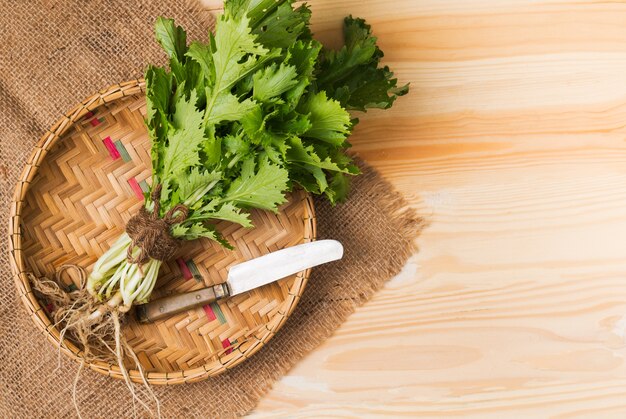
pixel 246 276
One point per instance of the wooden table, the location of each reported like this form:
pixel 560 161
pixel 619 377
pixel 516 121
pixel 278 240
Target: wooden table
pixel 511 144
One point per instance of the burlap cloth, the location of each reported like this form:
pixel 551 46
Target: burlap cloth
pixel 53 54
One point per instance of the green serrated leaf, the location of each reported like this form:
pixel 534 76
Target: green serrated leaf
pixel 261 188
pixel 179 230
pixel 254 125
pixel 229 212
pixel 329 121
pixel 305 179
pixel 227 107
pixel 283 26
pixel 181 151
pixel 298 153
pixel 303 56
pixel 235 145
pixel 293 124
pixel 201 54
pixel 317 161
pixel 273 153
pixel 172 38
pixel 272 81
pixel 194 185
pixel 158 92
pixel 352 75
pixel 338 189
pixel 158 89
pixel 166 190
pixel 200 229
pixel 186 115
pixel 233 41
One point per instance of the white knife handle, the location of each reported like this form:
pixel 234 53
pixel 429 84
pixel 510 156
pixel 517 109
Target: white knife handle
pixel 164 307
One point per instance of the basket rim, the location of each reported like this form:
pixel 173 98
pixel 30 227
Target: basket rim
pixel 38 314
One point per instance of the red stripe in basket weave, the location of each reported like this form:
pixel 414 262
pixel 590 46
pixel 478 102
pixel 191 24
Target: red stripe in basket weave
pixel 226 344
pixel 135 187
pixel 210 314
pixel 108 143
pixel 184 268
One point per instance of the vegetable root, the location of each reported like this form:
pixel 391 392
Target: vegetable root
pixel 96 328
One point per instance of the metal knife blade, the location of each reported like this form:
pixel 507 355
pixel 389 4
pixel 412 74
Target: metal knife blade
pixel 246 276
pixel 280 264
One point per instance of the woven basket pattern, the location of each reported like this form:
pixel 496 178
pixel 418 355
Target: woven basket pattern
pixel 85 179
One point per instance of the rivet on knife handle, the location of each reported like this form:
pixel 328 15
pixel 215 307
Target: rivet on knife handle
pixel 164 307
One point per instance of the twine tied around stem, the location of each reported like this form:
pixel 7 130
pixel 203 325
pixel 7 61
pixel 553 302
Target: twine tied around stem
pixel 151 233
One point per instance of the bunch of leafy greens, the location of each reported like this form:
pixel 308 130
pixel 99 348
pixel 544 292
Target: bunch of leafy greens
pixel 238 121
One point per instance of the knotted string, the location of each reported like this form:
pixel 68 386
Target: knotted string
pixel 151 233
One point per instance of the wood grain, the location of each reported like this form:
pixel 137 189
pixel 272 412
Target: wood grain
pixel 511 142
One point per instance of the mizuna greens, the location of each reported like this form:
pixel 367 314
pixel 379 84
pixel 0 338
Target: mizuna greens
pixel 238 121
pixel 235 123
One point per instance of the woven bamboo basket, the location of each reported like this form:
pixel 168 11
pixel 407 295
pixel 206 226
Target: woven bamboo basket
pixel 84 180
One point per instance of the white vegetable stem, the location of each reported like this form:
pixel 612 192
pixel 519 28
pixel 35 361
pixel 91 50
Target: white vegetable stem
pixel 198 194
pixel 115 280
